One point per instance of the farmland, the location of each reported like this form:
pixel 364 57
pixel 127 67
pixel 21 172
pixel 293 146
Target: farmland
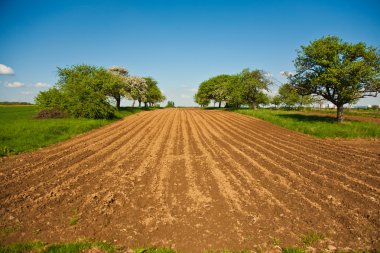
pixel 20 131
pixel 194 180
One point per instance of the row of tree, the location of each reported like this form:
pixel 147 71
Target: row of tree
pixel 96 92
pixel 327 69
pixel 245 88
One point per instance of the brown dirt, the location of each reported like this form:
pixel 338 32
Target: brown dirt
pixel 193 180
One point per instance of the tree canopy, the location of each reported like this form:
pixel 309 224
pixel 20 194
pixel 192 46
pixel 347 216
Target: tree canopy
pixel 246 88
pixel 85 91
pixel 338 71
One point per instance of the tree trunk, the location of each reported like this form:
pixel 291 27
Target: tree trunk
pixel 133 104
pixel 145 104
pixel 220 104
pixel 139 103
pixel 339 113
pixel 254 105
pixel 118 99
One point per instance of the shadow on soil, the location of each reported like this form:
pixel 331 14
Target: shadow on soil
pixel 308 118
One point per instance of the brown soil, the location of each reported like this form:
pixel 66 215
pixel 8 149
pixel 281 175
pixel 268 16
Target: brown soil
pixel 193 180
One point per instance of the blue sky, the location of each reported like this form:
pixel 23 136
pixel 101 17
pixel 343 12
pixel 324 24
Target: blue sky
pixel 179 43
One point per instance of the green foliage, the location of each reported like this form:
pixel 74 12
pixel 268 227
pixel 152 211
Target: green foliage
pixel 154 250
pixel 50 99
pixel 339 72
pixel 21 247
pixel 75 218
pixel 76 247
pixel 293 250
pixel 170 104
pixel 276 101
pixel 289 96
pixel 312 237
pixel 115 83
pixel 319 126
pixel 154 94
pixel 20 131
pixel 245 88
pixel 253 84
pixel 80 92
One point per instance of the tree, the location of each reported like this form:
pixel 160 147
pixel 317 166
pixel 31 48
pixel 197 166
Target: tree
pixel 254 84
pixel 170 104
pixel 276 100
pixel 82 87
pixel 136 88
pixel 116 83
pixel 218 88
pixel 154 94
pixel 79 92
pixel 338 71
pixel 201 99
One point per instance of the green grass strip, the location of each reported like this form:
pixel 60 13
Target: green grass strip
pixel 20 131
pixel 318 126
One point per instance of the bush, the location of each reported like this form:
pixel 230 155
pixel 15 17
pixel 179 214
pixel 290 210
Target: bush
pixel 80 92
pixel 50 114
pixel 51 99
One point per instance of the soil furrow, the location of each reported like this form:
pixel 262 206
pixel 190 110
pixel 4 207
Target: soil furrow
pixel 313 185
pixel 193 180
pixel 313 152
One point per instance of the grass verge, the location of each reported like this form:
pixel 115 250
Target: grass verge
pixel 20 131
pixel 372 113
pixel 104 247
pixel 41 247
pixel 318 126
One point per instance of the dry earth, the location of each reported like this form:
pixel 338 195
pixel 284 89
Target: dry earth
pixel 193 180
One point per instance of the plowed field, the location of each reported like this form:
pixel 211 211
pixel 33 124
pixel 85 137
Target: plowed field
pixel 193 180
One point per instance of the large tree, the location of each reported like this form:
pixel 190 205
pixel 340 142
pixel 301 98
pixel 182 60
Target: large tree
pixel 116 83
pixel 154 94
pixel 79 92
pixel 338 71
pixel 136 88
pixel 254 84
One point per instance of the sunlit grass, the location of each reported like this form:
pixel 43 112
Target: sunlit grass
pixel 319 126
pixel 20 131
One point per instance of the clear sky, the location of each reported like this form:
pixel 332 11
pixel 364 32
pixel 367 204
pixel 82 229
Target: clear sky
pixel 179 43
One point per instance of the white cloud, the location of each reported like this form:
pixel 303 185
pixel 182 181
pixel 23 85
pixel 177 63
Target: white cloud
pixel 41 85
pixel 185 96
pixel 268 74
pixel 5 70
pixel 286 73
pixel 13 84
pixel 27 92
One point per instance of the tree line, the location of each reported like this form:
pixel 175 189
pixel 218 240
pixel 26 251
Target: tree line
pixel 327 69
pixel 96 92
pixel 248 87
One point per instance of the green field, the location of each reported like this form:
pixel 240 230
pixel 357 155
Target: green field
pixel 20 131
pixel 318 126
pixel 372 113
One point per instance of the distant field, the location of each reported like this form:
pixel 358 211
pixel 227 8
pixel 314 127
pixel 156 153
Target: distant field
pixel 19 131
pixel 315 125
